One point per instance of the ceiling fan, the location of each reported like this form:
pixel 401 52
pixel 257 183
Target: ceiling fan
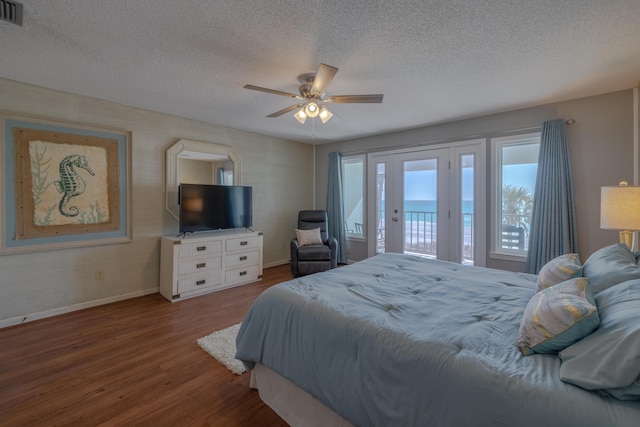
pixel 312 88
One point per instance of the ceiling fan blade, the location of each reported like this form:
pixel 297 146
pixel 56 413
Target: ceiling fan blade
pixel 323 77
pixel 355 99
pixel 285 110
pixel 272 91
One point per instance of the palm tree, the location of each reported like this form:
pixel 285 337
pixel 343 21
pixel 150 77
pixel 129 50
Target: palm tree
pixel 517 204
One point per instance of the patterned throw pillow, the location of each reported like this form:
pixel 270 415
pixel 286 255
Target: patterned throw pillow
pixel 558 270
pixel 309 237
pixel 558 316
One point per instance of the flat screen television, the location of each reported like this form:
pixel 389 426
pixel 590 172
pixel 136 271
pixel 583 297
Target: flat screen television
pixel 214 207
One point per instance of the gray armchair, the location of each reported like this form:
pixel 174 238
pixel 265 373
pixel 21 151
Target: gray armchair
pixel 313 258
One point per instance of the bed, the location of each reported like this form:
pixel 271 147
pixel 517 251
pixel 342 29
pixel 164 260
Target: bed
pixel 399 340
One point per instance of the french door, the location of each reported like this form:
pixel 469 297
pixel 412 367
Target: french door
pixel 429 202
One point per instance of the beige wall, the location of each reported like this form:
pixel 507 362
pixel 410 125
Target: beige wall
pixel 600 145
pixel 39 284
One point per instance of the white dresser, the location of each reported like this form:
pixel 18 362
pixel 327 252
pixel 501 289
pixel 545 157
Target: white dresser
pixel 207 262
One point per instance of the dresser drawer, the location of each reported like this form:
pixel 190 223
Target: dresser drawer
pixel 240 275
pixel 197 264
pixel 241 259
pixel 200 281
pixel 243 243
pixel 200 249
pixel 193 265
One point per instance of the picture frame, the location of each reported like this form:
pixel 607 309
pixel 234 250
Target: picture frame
pixel 63 184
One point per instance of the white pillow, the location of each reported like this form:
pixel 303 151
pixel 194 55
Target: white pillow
pixel 309 237
pixel 609 266
pixel 608 358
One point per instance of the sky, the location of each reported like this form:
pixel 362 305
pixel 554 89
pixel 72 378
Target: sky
pixel 421 185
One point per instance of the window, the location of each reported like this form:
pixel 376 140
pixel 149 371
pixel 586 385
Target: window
pixel 514 178
pixel 353 194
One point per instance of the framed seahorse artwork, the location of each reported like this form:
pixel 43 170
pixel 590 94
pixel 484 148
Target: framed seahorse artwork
pixel 64 186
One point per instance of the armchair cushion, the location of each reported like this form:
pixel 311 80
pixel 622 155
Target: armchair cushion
pixel 314 253
pixel 314 219
pixel 309 237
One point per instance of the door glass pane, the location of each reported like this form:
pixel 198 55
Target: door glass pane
pixel 353 196
pixel 467 172
pixel 380 197
pixel 420 207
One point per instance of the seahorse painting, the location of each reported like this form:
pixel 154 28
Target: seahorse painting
pixel 71 183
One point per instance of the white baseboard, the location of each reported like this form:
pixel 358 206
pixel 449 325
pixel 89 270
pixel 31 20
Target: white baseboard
pixel 56 311
pixel 286 261
pixel 276 263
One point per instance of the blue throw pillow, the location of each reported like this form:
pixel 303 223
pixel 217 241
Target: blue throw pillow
pixel 609 266
pixel 558 270
pixel 609 358
pixel 557 317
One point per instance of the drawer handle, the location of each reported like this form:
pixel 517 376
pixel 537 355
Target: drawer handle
pixel 201 248
pixel 200 282
pixel 244 243
pixel 243 273
pixel 243 258
pixel 202 264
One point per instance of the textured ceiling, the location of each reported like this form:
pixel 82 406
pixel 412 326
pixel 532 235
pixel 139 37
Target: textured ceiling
pixel 434 61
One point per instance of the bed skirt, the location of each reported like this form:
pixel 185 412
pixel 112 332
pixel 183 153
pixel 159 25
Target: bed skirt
pixel 294 405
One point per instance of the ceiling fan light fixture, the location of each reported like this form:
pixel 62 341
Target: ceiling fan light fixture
pixel 311 109
pixel 311 101
pixel 325 114
pixel 300 116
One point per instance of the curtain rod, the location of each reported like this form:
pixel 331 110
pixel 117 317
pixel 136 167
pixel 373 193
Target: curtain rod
pixel 568 122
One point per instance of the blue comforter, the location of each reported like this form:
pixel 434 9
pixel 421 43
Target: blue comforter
pixel 397 340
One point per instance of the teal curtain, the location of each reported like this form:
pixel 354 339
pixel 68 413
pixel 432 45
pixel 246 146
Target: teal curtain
pixel 335 207
pixel 553 220
pixel 220 177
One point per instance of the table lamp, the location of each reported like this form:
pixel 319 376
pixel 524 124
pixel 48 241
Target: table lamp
pixel 620 210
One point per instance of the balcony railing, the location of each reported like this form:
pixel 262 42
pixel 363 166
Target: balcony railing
pixel 421 234
pixel 515 231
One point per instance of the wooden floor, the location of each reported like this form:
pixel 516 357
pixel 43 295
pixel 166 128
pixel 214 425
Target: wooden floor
pixel 134 362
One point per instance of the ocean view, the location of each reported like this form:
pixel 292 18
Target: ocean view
pixel 430 206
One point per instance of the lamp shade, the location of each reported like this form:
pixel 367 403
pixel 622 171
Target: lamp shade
pixel 620 208
pixel 325 114
pixel 300 116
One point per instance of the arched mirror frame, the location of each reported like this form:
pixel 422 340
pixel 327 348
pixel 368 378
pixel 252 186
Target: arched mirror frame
pixel 193 148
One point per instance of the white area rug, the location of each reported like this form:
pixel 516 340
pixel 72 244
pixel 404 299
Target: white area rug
pixel 222 346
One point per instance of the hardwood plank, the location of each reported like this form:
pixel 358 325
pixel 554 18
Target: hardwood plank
pixel 133 362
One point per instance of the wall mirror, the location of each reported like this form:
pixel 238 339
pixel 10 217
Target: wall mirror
pixel 196 162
